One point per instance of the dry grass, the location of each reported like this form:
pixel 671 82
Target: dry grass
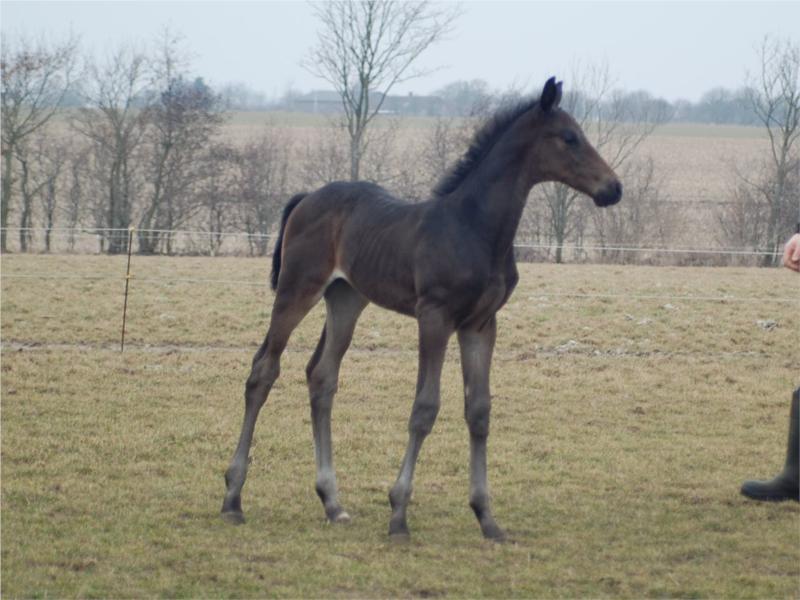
pixel 622 429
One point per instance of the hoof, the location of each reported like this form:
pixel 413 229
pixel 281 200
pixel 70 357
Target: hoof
pixel 491 531
pixel 234 517
pixel 776 490
pixel 495 534
pixel 341 517
pixel 400 538
pixel 398 530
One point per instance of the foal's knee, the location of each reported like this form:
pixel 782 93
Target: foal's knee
pixel 262 376
pixel 322 385
pixel 325 486
pixel 423 415
pixel 479 502
pixel 477 414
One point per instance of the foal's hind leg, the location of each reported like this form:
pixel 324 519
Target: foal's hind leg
pixel 476 359
pixel 344 305
pixel 292 303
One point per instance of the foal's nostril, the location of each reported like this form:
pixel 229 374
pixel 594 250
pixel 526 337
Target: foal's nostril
pixel 610 194
pixel 617 192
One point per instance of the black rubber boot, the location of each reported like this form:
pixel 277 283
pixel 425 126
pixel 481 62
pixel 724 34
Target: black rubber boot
pixel 785 486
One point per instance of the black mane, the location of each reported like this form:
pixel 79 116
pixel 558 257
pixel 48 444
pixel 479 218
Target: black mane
pixel 482 142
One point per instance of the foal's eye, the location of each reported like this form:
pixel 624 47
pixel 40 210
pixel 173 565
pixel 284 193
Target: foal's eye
pixel 570 137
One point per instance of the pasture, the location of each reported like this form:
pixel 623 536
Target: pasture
pixel 629 405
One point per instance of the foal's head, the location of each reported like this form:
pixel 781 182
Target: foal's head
pixel 562 153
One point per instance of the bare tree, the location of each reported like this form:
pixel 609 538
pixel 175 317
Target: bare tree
pixel 615 125
pixel 646 218
pixel 379 162
pixel 115 121
pixel 181 118
pixel 30 186
pixel 41 157
pixel 411 179
pixel 365 48
pixel 262 177
pixel 446 141
pixel 239 96
pixel 742 220
pixel 216 195
pixel 774 190
pixel 323 159
pixel 76 190
pixel 450 137
pixel 96 186
pixel 52 157
pixel 35 78
pixel 461 98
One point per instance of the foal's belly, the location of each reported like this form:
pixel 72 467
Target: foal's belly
pixel 387 292
pixel 465 309
pixel 381 269
pixel 391 297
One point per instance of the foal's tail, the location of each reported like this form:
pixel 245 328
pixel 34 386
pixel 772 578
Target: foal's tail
pixel 276 254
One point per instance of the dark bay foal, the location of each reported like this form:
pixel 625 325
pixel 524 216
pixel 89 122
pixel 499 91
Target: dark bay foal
pixel 448 262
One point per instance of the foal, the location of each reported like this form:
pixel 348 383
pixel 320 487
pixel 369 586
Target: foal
pixel 448 262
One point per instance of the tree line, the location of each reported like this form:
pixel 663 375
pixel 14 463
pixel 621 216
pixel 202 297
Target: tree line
pixel 718 106
pixel 136 139
pixel 143 149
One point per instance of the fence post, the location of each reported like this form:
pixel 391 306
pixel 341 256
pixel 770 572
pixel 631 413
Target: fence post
pixel 127 283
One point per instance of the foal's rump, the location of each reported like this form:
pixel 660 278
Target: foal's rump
pixel 351 230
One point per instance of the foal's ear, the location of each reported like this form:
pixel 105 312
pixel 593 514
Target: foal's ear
pixel 558 93
pixel 551 95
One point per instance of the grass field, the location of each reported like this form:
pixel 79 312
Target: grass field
pixel 628 407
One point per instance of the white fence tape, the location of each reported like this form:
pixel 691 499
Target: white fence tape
pixel 64 232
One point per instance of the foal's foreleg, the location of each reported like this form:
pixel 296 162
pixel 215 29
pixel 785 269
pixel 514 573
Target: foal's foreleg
pixel 344 305
pixel 476 358
pixel 434 331
pixel 288 310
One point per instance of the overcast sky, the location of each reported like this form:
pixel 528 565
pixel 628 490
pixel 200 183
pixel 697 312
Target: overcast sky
pixel 671 49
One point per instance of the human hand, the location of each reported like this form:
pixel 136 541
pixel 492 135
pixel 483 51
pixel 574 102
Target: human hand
pixel 791 253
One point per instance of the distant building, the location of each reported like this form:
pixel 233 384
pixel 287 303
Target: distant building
pixel 411 105
pixel 317 101
pixel 329 102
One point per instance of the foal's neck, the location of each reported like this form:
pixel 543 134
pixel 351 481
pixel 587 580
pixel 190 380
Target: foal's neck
pixel 493 197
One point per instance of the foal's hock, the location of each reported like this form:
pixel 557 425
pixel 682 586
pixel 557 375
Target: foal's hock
pixel 448 262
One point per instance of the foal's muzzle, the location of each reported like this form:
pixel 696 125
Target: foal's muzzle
pixel 609 195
